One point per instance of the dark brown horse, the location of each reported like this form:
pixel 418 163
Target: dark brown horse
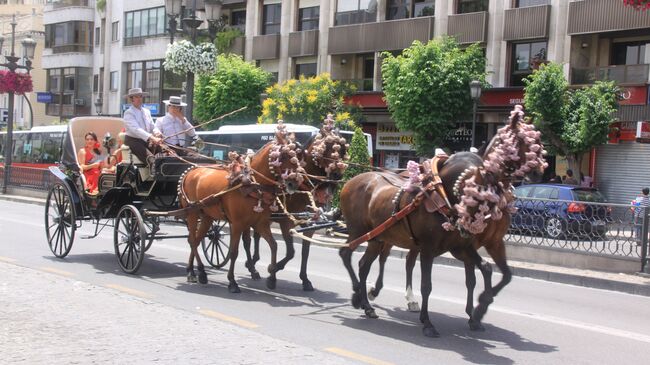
pixel 324 165
pixel 478 190
pixel 274 168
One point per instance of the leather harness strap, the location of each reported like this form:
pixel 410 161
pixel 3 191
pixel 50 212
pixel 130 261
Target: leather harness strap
pixel 384 226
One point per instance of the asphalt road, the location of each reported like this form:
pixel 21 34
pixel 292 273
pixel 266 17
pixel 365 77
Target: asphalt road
pixel 531 321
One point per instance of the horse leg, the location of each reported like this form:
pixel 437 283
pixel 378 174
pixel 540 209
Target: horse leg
pixel 256 248
pixel 192 222
pixel 204 226
pixel 285 227
pixel 250 264
pixel 426 265
pixel 264 230
pixel 346 255
pixel 372 251
pixel 498 254
pixel 379 284
pixel 306 245
pixel 235 233
pixel 487 297
pixel 411 303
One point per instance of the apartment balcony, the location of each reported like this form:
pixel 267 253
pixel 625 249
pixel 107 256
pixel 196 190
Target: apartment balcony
pixel 379 36
pixel 595 16
pixel 526 23
pixel 266 47
pixel 238 46
pixel 469 27
pixel 622 74
pixel 304 43
pixel 58 4
pixel 69 10
pixel 359 84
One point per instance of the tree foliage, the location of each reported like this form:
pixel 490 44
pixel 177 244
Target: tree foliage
pixel 427 87
pixel 572 122
pixel 307 101
pixel 359 160
pixel 235 84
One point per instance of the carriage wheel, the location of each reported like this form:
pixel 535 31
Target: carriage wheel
pixel 216 245
pixel 152 226
pixel 129 239
pixel 60 223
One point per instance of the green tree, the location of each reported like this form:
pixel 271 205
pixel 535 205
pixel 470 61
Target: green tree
pixel 572 122
pixel 359 160
pixel 308 100
pixel 235 84
pixel 427 88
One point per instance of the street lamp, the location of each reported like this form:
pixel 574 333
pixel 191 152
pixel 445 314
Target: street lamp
pixel 475 92
pixel 29 46
pixel 190 25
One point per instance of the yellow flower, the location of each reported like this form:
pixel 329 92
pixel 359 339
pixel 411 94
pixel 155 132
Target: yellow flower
pixel 269 89
pixel 311 98
pixel 282 108
pixel 291 82
pixel 267 103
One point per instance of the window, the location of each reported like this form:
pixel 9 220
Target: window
pixel 403 9
pixel 271 19
pixel 71 90
pixel 69 37
pixel 525 58
pixel 355 11
pixel 150 76
pixel 143 24
pixel 471 6
pixel 115 31
pixel 308 18
pixel 97 35
pixel 527 3
pixel 628 53
pixel 306 69
pixel 543 192
pixel 114 81
pixel 238 20
pixel 95 83
pixel 368 72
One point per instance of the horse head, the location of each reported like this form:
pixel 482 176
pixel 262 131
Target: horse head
pixel 327 152
pixel 284 159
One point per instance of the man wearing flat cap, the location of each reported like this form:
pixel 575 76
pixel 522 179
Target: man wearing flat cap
pixel 174 126
pixel 142 136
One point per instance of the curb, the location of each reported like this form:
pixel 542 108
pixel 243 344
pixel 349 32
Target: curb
pixel 546 275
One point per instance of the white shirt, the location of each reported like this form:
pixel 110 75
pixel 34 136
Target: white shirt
pixel 172 126
pixel 139 123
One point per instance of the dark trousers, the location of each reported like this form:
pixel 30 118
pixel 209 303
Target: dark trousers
pixel 141 149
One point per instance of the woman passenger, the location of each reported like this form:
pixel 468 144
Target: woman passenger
pixel 90 162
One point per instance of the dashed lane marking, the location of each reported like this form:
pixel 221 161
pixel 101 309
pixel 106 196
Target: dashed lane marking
pixel 134 292
pixel 223 317
pixel 57 271
pixel 7 259
pixel 355 356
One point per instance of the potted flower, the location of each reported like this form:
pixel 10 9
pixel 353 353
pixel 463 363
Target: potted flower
pixel 17 83
pixel 182 57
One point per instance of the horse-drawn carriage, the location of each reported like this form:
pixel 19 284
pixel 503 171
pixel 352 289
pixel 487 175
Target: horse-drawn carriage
pixel 125 199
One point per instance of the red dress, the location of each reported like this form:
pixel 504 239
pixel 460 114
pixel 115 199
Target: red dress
pixel 92 175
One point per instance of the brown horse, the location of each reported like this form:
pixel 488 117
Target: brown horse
pixel 324 165
pixel 478 190
pixel 206 189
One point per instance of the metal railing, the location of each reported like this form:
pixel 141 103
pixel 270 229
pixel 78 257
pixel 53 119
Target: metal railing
pixel 616 230
pixel 29 178
pixel 623 74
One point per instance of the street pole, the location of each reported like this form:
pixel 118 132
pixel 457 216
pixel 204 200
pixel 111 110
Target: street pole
pixel 8 143
pixel 474 124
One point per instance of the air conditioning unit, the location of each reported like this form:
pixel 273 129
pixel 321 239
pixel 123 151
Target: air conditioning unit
pixel 80 102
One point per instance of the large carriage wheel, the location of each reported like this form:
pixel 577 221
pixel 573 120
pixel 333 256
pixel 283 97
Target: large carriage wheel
pixel 216 245
pixel 60 223
pixel 152 226
pixel 129 239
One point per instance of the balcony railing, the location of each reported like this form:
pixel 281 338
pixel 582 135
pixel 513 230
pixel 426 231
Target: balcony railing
pixel 68 48
pixel 622 74
pixel 359 84
pixel 595 16
pixel 304 43
pixel 526 23
pixel 266 47
pixel 468 28
pixel 57 4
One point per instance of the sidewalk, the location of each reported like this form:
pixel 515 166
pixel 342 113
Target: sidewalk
pixel 50 319
pixel 627 283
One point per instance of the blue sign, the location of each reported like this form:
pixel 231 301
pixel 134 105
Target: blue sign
pixel 153 108
pixel 44 97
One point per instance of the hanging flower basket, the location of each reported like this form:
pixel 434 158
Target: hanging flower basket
pixel 18 83
pixel 183 57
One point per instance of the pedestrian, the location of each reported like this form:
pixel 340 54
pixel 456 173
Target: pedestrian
pixel 554 178
pixel 640 204
pixel 142 136
pixel 586 181
pixel 570 179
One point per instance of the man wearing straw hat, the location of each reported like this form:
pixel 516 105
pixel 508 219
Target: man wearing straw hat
pixel 174 126
pixel 142 136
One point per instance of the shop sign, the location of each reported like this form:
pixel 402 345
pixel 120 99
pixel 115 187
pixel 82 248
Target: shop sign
pixel 633 95
pixel 389 137
pixel 622 132
pixel 502 97
pixel 43 97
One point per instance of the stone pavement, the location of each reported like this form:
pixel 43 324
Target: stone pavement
pixel 623 282
pixel 51 319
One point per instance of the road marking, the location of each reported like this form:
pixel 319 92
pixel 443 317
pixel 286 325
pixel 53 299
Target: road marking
pixel 124 289
pixel 7 259
pixel 223 317
pixel 355 356
pixel 57 271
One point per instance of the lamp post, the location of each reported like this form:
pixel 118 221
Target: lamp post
pixel 475 92
pixel 29 46
pixel 190 28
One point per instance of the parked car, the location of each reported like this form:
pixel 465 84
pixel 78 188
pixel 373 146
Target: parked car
pixel 561 211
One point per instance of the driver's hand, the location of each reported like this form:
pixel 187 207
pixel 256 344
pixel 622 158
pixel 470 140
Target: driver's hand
pixel 155 140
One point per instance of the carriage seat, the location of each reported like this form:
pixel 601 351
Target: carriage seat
pixel 129 158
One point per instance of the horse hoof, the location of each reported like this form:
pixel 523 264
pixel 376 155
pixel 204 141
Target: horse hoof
pixel 306 286
pixel 356 300
pixel 413 306
pixel 476 326
pixel 371 294
pixel 370 313
pixel 430 332
pixel 255 275
pixel 234 288
pixel 191 278
pixel 203 278
pixel 270 283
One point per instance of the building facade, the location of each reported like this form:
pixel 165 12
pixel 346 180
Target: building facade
pixel 95 56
